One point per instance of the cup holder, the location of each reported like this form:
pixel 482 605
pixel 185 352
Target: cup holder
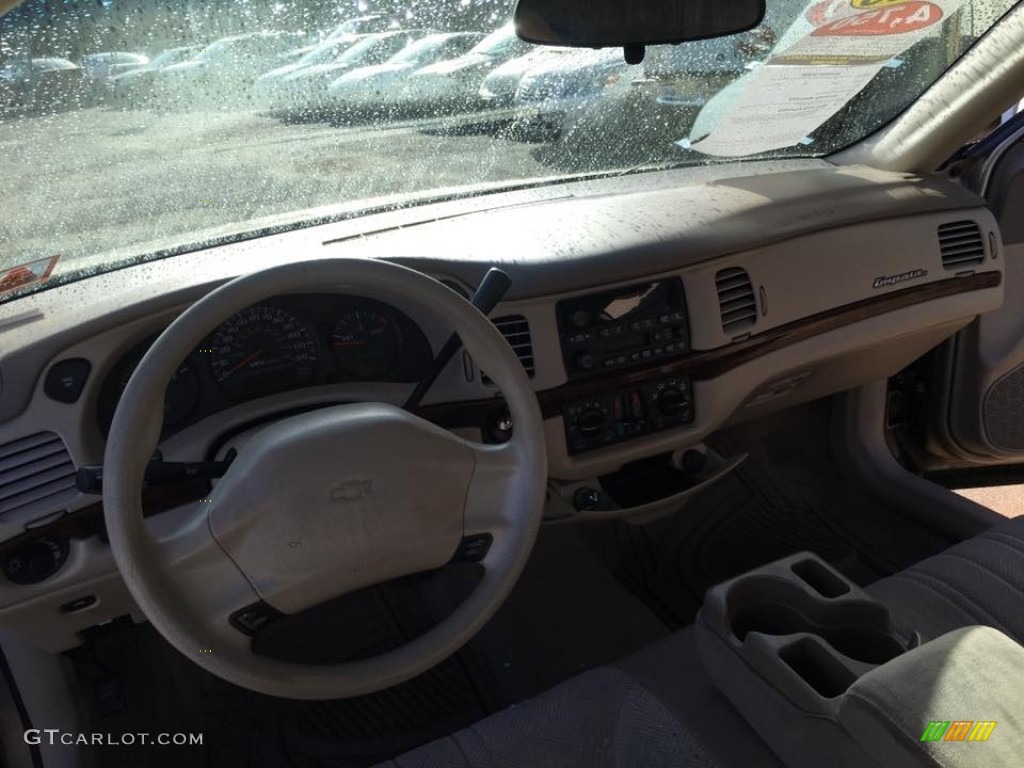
pixel 803 627
pixel 818 668
pixel 861 643
pixel 820 579
pixel 786 643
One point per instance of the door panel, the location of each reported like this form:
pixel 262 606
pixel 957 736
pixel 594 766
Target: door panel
pixel 976 412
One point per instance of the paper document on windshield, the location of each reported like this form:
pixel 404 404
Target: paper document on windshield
pixel 37 271
pixel 800 88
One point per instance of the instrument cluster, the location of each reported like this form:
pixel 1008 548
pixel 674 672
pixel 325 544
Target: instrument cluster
pixel 278 345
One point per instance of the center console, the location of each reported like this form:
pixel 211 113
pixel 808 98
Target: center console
pixel 606 332
pixel 820 671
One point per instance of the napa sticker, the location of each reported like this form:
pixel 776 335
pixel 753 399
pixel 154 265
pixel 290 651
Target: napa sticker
pixel 829 10
pixel 890 20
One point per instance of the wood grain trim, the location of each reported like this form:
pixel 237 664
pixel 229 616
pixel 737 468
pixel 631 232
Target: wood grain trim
pixel 88 521
pixel 715 362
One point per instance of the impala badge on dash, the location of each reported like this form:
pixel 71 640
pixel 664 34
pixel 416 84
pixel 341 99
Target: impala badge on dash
pixel 884 281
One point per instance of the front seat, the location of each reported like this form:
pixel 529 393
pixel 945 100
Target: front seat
pixel 659 708
pixel 978 581
pixel 655 709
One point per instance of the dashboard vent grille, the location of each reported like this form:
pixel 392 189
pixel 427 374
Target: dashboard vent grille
pixel 736 299
pixel 961 244
pixel 37 477
pixel 516 330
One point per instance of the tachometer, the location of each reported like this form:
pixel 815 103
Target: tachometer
pixel 367 345
pixel 261 350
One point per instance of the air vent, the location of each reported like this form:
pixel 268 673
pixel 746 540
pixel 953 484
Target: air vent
pixel 37 477
pixel 517 331
pixel 736 300
pixel 961 244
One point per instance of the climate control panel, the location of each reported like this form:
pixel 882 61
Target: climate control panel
pixel 632 411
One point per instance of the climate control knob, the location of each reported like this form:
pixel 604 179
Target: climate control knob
pixel 585 361
pixel 591 421
pixel 671 401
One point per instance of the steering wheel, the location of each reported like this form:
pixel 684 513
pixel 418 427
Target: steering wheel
pixel 323 503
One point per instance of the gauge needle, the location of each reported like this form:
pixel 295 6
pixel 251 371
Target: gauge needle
pixel 244 362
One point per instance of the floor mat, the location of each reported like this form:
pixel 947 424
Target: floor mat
pixel 788 496
pixel 162 691
pixel 365 730
pixel 568 613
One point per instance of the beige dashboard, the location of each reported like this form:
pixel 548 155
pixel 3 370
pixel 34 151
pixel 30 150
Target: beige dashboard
pixel 796 282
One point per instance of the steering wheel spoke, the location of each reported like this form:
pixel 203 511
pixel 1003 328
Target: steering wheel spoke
pixel 208 585
pixel 494 471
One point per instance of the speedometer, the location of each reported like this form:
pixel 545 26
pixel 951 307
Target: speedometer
pixel 261 350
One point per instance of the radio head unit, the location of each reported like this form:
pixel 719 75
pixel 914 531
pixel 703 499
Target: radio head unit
pixel 623 327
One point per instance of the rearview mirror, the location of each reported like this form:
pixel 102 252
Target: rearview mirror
pixel 632 23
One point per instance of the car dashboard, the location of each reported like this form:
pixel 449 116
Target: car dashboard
pixel 649 312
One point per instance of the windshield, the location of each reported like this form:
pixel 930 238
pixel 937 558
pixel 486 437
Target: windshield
pixel 327 52
pixel 42 65
pixel 374 49
pixel 173 56
pixel 362 25
pixel 502 42
pixel 420 52
pixel 98 173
